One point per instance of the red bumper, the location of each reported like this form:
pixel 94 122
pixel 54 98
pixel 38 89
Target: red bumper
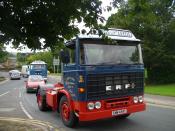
pixel 102 114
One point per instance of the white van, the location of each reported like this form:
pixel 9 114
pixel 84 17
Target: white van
pixel 25 71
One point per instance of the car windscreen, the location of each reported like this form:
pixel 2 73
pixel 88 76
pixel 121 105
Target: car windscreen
pixel 35 78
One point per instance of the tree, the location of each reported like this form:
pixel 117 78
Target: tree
pixel 29 21
pixel 153 21
pixel 44 56
pixel 22 57
pixel 3 54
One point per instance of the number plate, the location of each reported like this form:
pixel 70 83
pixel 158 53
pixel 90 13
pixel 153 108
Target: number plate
pixel 119 112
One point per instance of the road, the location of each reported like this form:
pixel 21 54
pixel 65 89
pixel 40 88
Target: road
pixel 15 102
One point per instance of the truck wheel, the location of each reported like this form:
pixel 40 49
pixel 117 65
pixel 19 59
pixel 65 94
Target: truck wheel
pixel 68 117
pixel 123 116
pixel 41 100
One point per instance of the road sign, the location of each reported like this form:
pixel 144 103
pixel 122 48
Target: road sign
pixel 56 61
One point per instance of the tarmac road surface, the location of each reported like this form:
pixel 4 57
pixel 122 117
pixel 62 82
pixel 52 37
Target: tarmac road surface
pixel 15 102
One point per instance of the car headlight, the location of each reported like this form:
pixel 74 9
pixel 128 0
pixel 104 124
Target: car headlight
pixel 90 106
pixel 135 99
pixel 140 99
pixel 97 105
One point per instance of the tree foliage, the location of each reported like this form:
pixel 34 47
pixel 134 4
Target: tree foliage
pixel 22 57
pixel 30 21
pixel 43 56
pixel 153 21
pixel 3 54
pixel 27 21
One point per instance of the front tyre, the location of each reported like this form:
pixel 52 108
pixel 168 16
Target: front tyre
pixel 67 115
pixel 41 100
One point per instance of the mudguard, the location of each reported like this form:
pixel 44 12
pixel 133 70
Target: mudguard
pixel 44 88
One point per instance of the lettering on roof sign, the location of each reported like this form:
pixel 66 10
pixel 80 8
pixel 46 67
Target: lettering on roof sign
pixel 120 33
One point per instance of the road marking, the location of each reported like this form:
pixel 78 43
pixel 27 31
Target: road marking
pixel 4 93
pixel 19 93
pixel 25 111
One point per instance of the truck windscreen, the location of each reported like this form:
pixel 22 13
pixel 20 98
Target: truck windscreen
pixel 38 66
pixel 105 54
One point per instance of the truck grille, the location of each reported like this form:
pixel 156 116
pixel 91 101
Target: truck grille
pixel 97 84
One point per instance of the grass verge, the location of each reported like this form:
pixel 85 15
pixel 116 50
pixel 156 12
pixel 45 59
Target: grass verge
pixel 55 74
pixel 2 79
pixel 164 90
pixel 16 126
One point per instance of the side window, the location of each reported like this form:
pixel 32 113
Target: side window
pixel 72 56
pixel 82 55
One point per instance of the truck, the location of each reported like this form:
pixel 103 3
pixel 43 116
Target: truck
pixel 38 67
pixel 25 71
pixel 101 78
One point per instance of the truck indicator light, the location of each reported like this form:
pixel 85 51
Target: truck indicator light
pixel 81 90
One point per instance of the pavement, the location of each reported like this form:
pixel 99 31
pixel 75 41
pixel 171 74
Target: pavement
pixel 36 124
pixel 160 100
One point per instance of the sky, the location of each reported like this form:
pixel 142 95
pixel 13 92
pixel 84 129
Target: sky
pixel 105 14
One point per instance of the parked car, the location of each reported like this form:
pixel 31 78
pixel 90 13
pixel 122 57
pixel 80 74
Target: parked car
pixel 15 74
pixel 33 82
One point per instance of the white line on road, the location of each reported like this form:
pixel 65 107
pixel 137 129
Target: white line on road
pixel 25 111
pixel 19 93
pixel 4 93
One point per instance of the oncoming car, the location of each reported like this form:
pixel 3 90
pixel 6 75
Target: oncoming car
pixel 33 82
pixel 15 74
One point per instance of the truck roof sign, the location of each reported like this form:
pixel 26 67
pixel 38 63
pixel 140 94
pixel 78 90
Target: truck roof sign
pixel 116 34
pixel 37 62
pixel 121 33
pixel 112 33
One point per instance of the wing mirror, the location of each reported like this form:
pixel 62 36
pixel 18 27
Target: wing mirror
pixel 65 56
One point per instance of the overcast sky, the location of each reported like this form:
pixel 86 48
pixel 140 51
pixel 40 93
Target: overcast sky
pixel 105 14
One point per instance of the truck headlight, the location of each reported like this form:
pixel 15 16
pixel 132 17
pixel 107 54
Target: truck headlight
pixel 140 99
pixel 135 99
pixel 97 105
pixel 90 106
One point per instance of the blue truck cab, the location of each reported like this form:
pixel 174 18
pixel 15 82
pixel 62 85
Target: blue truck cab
pixel 38 68
pixel 102 78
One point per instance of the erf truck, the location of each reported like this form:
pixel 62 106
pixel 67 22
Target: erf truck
pixel 101 79
pixel 38 68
